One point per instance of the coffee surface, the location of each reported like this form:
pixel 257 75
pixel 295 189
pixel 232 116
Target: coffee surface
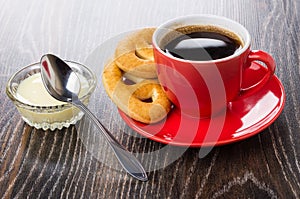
pixel 203 44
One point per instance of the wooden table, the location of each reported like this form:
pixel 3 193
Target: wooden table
pixel 75 163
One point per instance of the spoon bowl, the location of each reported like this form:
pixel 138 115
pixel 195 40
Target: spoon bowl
pixel 59 79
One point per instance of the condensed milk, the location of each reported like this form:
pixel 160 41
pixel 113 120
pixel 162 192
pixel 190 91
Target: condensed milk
pixel 32 91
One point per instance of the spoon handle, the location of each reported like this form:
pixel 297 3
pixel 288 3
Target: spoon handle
pixel 127 160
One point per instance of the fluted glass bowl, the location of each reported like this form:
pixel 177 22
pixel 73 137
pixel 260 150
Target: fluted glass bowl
pixel 45 116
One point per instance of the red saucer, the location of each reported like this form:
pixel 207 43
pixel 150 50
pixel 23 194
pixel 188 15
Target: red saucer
pixel 244 117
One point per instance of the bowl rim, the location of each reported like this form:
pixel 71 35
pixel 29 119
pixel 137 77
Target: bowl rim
pixel 35 69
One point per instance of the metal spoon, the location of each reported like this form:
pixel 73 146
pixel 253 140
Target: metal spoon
pixel 63 84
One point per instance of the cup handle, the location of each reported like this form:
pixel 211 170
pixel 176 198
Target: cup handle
pixel 258 55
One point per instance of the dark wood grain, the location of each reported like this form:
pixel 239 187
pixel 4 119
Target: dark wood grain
pixel 69 164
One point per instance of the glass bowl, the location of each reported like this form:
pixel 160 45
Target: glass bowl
pixel 48 116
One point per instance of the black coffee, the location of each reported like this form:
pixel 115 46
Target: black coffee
pixel 202 43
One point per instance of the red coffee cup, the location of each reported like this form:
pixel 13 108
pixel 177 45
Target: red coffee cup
pixel 205 88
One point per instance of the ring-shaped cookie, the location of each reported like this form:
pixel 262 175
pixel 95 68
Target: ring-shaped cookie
pixel 144 101
pixel 134 54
